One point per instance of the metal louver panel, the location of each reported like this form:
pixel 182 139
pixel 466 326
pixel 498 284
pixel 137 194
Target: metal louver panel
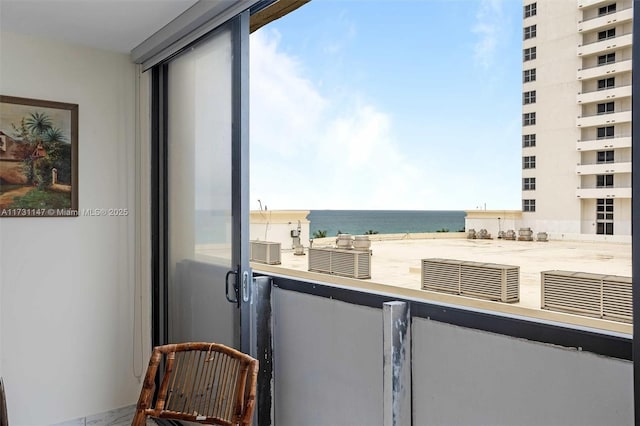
pixel 617 298
pixel 346 263
pixel 441 275
pixel 597 295
pixel 264 252
pixel 482 280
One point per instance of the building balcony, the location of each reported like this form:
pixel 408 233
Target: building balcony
pixel 600 144
pixel 583 4
pixel 599 22
pixel 604 119
pixel 604 70
pixel 603 168
pixel 603 46
pixel 606 192
pixel 604 94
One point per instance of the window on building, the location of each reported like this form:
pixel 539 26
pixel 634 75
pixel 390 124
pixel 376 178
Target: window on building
pixel 605 157
pixel 529 75
pixel 528 140
pixel 604 209
pixel 606 83
pixel 605 132
pixel 606 34
pixel 529 119
pixel 529 162
pixel 604 228
pixel 529 32
pixel 605 10
pixel 529 53
pixel 606 108
pixel 528 205
pixel 529 97
pixel 529 184
pixel 604 181
pixel 530 10
pixel 604 216
pixel 606 59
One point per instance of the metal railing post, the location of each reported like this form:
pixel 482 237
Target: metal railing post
pixel 397 409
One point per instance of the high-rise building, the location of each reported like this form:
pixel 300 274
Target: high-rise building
pixel 576 116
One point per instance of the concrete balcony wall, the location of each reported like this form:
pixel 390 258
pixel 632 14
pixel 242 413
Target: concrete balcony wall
pixel 604 95
pixel 604 119
pixel 610 192
pixel 470 377
pixel 600 144
pixel 327 361
pixel 606 20
pixel 602 168
pixel 605 45
pixel 604 70
pixel 328 370
pixel 583 4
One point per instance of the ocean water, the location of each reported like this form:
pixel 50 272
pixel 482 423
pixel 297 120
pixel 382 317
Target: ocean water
pixel 384 221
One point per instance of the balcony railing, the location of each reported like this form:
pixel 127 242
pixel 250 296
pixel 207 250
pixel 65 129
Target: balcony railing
pixel 602 89
pixel 603 113
pixel 604 39
pixel 616 167
pixel 604 192
pixel 605 45
pixel 603 15
pixel 598 163
pixel 597 120
pixel 587 3
pixel 604 70
pixel 436 347
pixel 621 186
pixel 604 143
pixel 608 63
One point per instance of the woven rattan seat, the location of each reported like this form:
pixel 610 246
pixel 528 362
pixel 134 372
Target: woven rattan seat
pixel 205 383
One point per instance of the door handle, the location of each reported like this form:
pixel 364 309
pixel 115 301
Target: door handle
pixel 236 286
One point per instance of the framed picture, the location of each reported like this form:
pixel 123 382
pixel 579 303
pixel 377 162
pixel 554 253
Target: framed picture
pixel 38 158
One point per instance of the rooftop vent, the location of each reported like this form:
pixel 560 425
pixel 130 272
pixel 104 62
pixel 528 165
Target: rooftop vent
pixel 602 296
pixel 343 262
pixel 482 280
pixel 264 252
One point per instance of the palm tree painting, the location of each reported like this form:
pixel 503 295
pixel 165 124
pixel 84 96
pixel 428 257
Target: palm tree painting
pixel 38 158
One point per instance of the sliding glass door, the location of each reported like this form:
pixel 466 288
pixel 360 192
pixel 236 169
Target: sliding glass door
pixel 202 173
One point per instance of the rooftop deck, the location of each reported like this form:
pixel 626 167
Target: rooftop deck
pixel 396 261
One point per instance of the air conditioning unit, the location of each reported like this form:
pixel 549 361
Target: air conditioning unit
pixel 475 279
pixel 264 252
pixel 343 262
pixel 597 295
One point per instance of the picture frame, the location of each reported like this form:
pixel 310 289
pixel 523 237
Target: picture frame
pixel 38 158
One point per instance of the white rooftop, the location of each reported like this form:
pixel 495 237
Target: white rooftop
pixel 397 262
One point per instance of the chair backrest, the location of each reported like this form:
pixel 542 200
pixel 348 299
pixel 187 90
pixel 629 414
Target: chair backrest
pixel 205 383
pixel 4 417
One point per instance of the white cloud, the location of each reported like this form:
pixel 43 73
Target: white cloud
pixel 317 148
pixel 489 27
pixel 311 151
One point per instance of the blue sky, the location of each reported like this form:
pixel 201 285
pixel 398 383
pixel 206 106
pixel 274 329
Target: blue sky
pixel 408 105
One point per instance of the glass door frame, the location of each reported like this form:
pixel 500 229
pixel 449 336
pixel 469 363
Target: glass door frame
pixel 239 27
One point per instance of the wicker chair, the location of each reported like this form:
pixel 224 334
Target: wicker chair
pixel 205 383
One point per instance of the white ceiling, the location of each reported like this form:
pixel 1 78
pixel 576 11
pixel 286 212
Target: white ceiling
pixel 117 25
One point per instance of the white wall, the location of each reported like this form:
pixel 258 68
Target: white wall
pixel 328 367
pixel 470 377
pixel 328 361
pixel 276 226
pixel 70 318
